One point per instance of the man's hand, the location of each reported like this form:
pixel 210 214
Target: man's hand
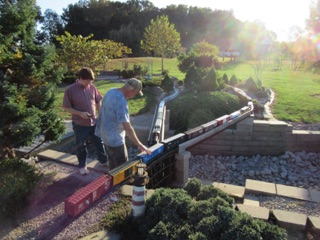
pixel 144 148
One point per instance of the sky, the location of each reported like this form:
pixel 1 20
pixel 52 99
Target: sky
pixel 278 15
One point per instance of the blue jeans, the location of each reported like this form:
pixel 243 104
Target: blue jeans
pixel 82 133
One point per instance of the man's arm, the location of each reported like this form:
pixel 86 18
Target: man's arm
pixel 84 115
pixel 133 137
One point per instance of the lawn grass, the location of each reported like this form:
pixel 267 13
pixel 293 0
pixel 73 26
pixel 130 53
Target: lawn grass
pixel 297 92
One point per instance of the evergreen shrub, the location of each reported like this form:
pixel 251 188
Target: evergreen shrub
pixel 17 180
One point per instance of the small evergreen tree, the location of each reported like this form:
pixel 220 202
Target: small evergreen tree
pixel 28 80
pixel 192 77
pixel 225 78
pixel 210 81
pixel 233 80
pixel 167 84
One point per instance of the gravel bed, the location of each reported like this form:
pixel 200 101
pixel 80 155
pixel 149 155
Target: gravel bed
pixel 302 170
pixel 290 204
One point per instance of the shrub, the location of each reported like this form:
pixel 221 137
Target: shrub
pixel 233 80
pixel 209 191
pixel 172 214
pixel 69 79
pixel 192 76
pixel 166 205
pixel 193 187
pixel 167 84
pixel 17 180
pixel 207 227
pixel 225 78
pixel 251 85
pixel 186 110
pixel 210 82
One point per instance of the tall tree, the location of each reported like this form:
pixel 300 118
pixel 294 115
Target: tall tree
pixel 51 25
pixel 161 38
pixel 78 51
pixel 28 79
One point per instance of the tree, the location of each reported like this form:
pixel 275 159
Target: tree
pixel 51 25
pixel 210 81
pixel 205 48
pixel 167 84
pixel 78 51
pixel 28 80
pixel 161 38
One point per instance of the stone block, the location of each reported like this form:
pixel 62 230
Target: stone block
pixel 245 125
pixel 251 200
pixel 314 222
pixel 314 195
pixel 261 126
pixel 278 126
pixel 242 136
pixel 293 192
pixel 58 156
pixel 261 213
pixel 232 190
pixel 259 187
pixel 290 220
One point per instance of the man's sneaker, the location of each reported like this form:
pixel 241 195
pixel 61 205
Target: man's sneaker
pixel 84 171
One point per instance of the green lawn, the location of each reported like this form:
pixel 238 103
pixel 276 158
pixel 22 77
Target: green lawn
pixel 297 92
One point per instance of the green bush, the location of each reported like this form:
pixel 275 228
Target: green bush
pixel 173 214
pixel 233 80
pixel 69 79
pixel 193 187
pixel 17 180
pixel 225 78
pixel 251 85
pixel 209 191
pixel 167 84
pixel 188 111
pixel 210 82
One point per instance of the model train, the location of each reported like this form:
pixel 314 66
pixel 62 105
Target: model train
pixel 155 132
pixel 82 199
pixel 125 171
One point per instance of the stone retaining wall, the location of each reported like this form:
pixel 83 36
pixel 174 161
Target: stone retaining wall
pixel 263 137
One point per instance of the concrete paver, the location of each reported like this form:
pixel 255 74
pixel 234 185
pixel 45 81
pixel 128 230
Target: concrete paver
pixel 259 187
pixel 254 211
pixel 314 222
pixel 293 192
pixel 231 190
pixel 58 156
pixel 251 200
pixel 291 220
pixel 314 195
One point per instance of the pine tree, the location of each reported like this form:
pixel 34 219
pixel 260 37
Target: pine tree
pixel 28 80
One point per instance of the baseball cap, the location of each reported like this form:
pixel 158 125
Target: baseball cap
pixel 136 85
